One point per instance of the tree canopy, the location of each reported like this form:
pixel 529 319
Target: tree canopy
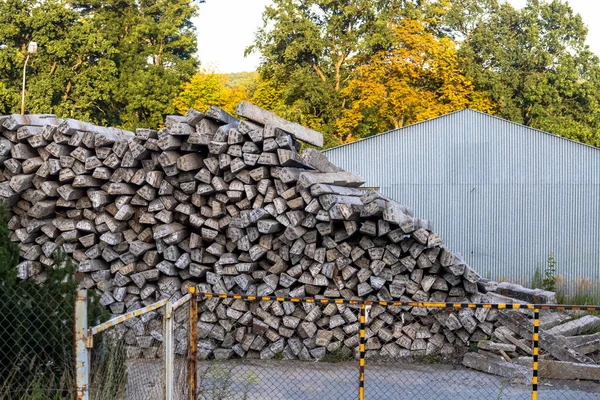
pixel 417 78
pixel 207 88
pixel 349 68
pixel 309 49
pixel 346 66
pixel 117 62
pixel 533 63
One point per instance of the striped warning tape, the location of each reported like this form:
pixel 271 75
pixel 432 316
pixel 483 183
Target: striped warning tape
pixel 536 352
pixel 448 305
pixel 565 307
pixel 361 364
pixel 277 298
pixel 360 302
pixel 116 321
pixel 402 303
pixel 181 301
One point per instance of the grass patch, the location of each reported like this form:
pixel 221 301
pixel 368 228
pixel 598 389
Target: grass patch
pixel 502 387
pixel 595 330
pixel 43 384
pixel 338 355
pixel 108 376
pixel 428 359
pixel 582 291
pixel 473 347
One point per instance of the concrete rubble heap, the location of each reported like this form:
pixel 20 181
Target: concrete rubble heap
pixel 233 206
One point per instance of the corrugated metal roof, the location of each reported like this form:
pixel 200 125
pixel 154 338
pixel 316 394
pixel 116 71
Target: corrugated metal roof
pixel 456 112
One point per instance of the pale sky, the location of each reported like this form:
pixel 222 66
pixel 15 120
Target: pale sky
pixel 226 27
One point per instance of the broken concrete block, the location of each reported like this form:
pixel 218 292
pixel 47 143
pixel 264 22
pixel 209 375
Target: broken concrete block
pixel 517 373
pixel 576 327
pixel 551 369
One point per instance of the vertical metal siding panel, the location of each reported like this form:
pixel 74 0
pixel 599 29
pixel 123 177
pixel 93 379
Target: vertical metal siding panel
pixel 502 195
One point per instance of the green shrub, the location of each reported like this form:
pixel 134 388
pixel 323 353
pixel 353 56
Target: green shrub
pixel 545 279
pixel 339 355
pixel 549 281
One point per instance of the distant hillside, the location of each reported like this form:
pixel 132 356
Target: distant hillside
pixel 246 80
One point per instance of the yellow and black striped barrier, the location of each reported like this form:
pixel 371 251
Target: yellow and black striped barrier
pixel 561 307
pixel 122 318
pixel 279 299
pixel 507 306
pixel 536 353
pixel 365 304
pixel 361 362
pixel 448 305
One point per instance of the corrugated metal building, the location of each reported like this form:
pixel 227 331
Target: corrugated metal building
pixel 503 195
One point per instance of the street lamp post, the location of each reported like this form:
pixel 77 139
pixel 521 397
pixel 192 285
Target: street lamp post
pixel 31 49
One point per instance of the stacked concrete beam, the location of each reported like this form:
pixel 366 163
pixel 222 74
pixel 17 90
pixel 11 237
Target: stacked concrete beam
pixel 234 206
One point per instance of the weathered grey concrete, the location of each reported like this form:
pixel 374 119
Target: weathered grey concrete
pixel 576 327
pixel 550 319
pixel 515 372
pixel 565 370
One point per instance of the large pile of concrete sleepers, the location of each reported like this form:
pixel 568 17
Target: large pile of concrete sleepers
pixel 232 205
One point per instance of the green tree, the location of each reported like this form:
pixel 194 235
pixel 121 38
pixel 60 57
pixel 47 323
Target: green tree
pixel 51 24
pixel 533 63
pixel 309 49
pixel 9 252
pixel 247 80
pixel 117 62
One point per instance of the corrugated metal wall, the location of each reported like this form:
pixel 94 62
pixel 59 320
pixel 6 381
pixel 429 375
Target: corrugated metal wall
pixel 503 195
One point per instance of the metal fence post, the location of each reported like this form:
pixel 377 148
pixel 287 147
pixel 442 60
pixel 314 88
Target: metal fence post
pixel 168 351
pixel 536 352
pixel 193 344
pixel 82 351
pixel 361 365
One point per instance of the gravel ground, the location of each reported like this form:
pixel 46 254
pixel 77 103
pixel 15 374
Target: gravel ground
pixel 270 380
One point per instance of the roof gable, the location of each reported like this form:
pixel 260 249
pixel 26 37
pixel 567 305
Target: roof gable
pixel 407 128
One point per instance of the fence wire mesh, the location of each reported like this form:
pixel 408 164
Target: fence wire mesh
pixel 254 348
pixel 248 349
pixel 569 354
pixel 442 353
pixel 127 360
pixel 181 354
pixel 259 348
pixel 36 342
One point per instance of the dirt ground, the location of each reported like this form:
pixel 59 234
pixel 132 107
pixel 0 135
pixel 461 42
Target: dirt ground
pixel 270 380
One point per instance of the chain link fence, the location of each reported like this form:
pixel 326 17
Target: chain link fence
pixel 279 348
pixel 423 352
pixel 128 356
pixel 569 353
pixel 108 372
pixel 411 350
pixel 248 349
pixel 36 343
pixel 143 354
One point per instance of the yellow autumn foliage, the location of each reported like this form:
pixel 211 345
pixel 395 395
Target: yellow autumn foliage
pixel 206 89
pixel 418 79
